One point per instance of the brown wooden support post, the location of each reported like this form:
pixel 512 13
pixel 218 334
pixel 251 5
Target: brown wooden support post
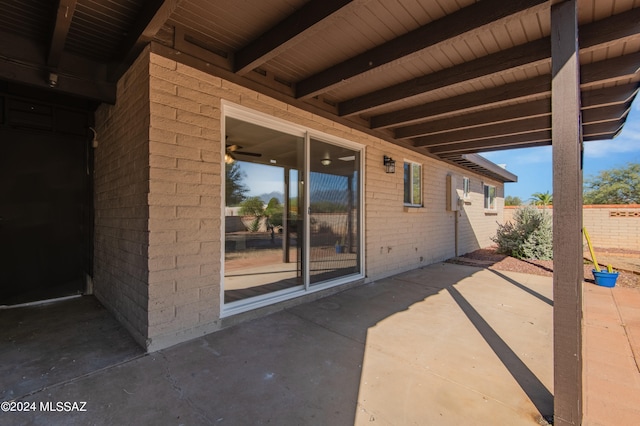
pixel 567 214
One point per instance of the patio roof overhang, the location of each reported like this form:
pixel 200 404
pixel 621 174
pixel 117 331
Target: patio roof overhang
pixel 444 78
pixel 485 167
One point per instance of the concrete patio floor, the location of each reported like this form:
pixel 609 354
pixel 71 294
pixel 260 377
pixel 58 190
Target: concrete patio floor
pixel 611 351
pixel 446 344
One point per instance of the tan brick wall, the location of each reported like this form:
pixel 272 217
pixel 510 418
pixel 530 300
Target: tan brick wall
pixel 184 203
pixel 402 238
pixel 397 238
pixel 120 197
pixel 609 226
pixel 476 225
pixel 179 165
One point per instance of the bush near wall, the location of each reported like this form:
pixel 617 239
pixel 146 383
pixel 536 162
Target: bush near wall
pixel 612 226
pixel 528 236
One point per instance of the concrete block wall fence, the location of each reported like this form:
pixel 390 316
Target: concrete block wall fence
pixel 610 226
pixel 158 200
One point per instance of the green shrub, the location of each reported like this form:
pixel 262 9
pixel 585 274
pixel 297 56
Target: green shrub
pixel 274 212
pixel 255 224
pixel 529 236
pixel 252 206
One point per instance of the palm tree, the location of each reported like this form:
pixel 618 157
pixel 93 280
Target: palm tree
pixel 542 198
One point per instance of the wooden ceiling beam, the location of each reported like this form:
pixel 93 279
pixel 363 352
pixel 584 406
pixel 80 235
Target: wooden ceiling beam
pixel 464 20
pixel 506 142
pixel 501 148
pixel 533 137
pixel 495 97
pixel 591 74
pixel 152 17
pixel 23 61
pixel 600 131
pixel 497 115
pixel 64 15
pixel 612 69
pixel 532 53
pixel 606 113
pixel 616 27
pixel 608 96
pixel 510 113
pixel 597 129
pixel 497 130
pixel 301 24
pixel 601 137
pixel 454 151
pixel 597 121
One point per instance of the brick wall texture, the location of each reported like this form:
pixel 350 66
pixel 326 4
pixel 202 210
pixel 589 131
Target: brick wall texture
pixel 161 156
pixel 476 225
pixel 121 186
pixel 609 226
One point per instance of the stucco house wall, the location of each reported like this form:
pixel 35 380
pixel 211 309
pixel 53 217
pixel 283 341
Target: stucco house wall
pixel 175 272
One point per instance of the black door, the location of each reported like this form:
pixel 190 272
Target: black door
pixel 43 190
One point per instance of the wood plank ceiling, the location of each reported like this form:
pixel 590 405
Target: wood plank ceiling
pixel 447 78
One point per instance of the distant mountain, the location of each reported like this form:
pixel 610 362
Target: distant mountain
pixel 275 194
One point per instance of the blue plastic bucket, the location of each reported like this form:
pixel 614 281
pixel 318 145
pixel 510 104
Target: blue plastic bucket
pixel 605 279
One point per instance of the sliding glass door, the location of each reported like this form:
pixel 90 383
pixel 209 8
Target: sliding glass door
pixel 263 250
pixel 334 212
pixel 292 215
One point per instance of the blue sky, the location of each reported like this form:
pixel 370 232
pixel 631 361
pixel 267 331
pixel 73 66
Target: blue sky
pixel 262 179
pixel 533 165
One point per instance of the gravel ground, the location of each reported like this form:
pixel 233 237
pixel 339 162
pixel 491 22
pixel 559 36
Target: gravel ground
pixel 488 258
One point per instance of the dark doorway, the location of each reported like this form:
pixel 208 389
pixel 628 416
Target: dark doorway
pixel 44 202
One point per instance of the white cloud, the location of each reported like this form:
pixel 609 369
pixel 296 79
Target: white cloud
pixel 619 145
pixel 627 143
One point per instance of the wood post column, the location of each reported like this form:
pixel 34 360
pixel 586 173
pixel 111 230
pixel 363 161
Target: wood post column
pixel 567 214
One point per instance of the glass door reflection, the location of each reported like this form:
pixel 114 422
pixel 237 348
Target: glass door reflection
pixel 334 212
pixel 263 251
